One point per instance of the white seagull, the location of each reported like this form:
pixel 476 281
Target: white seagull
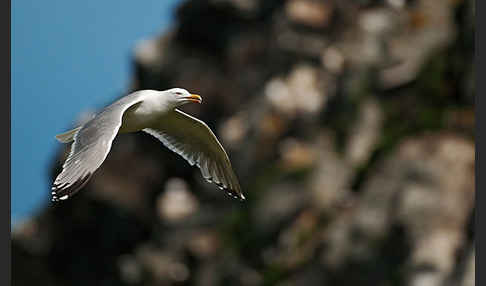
pixel 155 113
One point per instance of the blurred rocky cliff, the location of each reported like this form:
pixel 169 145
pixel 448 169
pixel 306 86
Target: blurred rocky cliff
pixel 349 123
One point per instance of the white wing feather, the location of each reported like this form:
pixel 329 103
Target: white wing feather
pixel 196 143
pixel 92 143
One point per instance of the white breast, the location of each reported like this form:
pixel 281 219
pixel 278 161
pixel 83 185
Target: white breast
pixel 143 115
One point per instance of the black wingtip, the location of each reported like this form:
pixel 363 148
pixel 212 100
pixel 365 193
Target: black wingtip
pixel 242 198
pixel 63 192
pixel 228 191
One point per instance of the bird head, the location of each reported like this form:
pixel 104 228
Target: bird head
pixel 180 96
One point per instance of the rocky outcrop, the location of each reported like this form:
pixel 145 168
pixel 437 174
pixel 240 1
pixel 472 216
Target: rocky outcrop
pixel 349 123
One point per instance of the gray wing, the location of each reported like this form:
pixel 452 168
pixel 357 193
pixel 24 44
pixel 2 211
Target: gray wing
pixel 194 141
pixel 92 143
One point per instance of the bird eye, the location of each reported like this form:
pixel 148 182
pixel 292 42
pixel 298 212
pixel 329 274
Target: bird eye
pixel 178 93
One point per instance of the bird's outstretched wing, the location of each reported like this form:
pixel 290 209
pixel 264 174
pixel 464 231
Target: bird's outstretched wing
pixel 92 143
pixel 194 141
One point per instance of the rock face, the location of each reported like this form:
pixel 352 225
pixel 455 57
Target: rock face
pixel 349 123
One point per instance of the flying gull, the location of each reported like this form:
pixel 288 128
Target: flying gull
pixel 155 113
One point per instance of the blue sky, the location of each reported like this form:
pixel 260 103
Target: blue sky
pixel 67 57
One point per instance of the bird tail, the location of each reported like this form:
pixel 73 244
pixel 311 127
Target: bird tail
pixel 68 136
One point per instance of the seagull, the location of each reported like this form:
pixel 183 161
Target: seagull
pixel 155 113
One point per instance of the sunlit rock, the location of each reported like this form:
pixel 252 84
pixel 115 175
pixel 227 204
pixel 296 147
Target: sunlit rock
pixel 176 202
pixel 301 92
pixel 315 14
pixel 365 134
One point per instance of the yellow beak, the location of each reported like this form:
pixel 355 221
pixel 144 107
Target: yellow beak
pixel 194 98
